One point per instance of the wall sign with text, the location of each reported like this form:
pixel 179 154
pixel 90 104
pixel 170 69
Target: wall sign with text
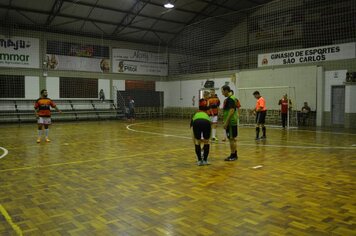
pixel 309 55
pixel 19 52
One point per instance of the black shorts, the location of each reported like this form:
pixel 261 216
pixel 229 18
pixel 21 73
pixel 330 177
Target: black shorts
pixel 201 126
pixel 131 113
pixel 231 131
pixel 261 117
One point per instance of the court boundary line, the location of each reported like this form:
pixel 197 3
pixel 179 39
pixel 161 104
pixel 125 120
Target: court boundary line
pixel 90 160
pixel 5 152
pixel 9 220
pixel 128 127
pixel 252 126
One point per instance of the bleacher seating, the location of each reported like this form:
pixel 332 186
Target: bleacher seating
pixel 74 109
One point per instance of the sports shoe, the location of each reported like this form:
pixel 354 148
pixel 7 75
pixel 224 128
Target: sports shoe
pixel 257 139
pixel 206 163
pixel 215 139
pixel 230 158
pixel 48 140
pixel 200 163
pixel 38 140
pixel 224 140
pixel 263 137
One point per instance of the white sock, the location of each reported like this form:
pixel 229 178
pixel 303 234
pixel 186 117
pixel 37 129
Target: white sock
pixel 39 133
pixel 46 132
pixel 214 132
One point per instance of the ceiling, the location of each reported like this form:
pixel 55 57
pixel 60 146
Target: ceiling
pixel 142 21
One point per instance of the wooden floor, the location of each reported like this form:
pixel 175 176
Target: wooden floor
pixel 107 178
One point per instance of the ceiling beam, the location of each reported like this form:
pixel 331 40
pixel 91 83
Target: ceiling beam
pixel 124 12
pixel 80 18
pixel 7 12
pixel 180 9
pixel 87 18
pixel 218 5
pixel 211 4
pixel 112 23
pixel 254 2
pixel 131 15
pixel 83 34
pixel 55 10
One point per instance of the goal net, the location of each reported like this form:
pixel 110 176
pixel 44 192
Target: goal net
pixel 272 96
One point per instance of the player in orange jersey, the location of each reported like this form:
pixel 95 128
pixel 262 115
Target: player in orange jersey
pixel 204 102
pixel 260 112
pixel 43 113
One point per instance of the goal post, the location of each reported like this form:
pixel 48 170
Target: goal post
pixel 272 95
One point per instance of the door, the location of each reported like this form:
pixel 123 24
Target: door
pixel 337 105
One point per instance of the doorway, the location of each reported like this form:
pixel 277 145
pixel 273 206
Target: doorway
pixel 338 105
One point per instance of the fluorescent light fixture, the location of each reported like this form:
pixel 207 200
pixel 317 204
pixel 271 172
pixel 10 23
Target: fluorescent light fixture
pixel 168 5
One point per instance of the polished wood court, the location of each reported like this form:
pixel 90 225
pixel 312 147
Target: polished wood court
pixel 108 178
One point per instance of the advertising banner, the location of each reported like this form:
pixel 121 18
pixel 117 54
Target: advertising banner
pixel 19 52
pixel 139 62
pixel 309 55
pixel 77 57
pixel 59 62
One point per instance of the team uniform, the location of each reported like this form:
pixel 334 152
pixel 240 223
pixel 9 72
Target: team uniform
pixel 214 104
pixel 261 115
pixel 44 110
pixel 201 130
pixel 284 110
pixel 231 130
pixel 204 105
pixel 237 101
pixel 201 125
pixel 261 112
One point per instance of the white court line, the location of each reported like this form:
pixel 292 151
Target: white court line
pixel 295 129
pixel 239 143
pixel 5 152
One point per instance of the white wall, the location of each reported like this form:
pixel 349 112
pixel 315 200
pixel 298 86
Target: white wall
pixel 119 84
pixel 52 86
pixel 303 79
pixel 332 78
pixel 104 84
pixel 180 93
pixel 350 98
pixel 32 87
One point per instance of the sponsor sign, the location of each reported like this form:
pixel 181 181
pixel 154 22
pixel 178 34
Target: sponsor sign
pixel 59 62
pixel 309 55
pixel 139 62
pixel 19 52
pixel 77 57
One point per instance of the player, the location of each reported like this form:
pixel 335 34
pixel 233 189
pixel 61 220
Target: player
pixel 260 112
pixel 214 104
pixel 201 132
pixel 131 109
pixel 238 105
pixel 230 122
pixel 286 105
pixel 43 113
pixel 204 102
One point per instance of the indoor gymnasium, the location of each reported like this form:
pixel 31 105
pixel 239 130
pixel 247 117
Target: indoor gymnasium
pixel 177 117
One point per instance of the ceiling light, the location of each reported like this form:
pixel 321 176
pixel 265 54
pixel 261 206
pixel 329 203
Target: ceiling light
pixel 168 5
